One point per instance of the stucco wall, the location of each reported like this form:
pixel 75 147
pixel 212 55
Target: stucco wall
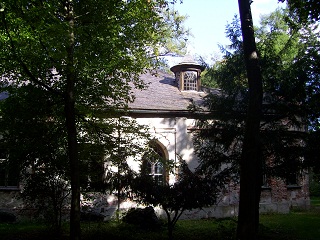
pixel 174 135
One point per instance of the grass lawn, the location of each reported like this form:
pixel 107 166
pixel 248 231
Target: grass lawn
pixel 297 225
pixel 315 202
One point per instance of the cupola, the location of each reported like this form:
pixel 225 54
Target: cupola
pixel 187 74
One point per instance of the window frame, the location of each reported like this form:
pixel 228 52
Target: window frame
pixel 92 167
pixel 180 78
pixel 6 174
pixel 156 148
pixel 188 83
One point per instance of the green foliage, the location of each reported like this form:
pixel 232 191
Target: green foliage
pixel 35 142
pixel 49 194
pixel 192 190
pixel 229 74
pixel 82 59
pixel 114 43
pixel 286 49
pixel 295 226
pixel 314 184
pixel 207 81
pixel 144 218
pixel 129 142
pixel 304 9
pixel 32 136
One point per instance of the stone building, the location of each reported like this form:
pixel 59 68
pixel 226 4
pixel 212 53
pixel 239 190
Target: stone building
pixel 163 106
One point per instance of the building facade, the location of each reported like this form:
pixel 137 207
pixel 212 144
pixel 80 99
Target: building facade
pixel 163 107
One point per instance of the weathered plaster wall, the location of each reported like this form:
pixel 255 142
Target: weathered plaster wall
pixel 174 135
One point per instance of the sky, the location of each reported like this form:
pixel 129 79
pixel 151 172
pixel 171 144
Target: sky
pixel 207 20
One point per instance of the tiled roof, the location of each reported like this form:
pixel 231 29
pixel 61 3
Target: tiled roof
pixel 163 94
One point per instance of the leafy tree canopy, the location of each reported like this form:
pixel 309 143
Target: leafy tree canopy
pixel 115 41
pixel 305 9
pixel 86 55
pixel 286 50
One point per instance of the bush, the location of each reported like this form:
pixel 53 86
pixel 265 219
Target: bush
pixel 143 217
pixel 91 217
pixel 314 185
pixel 6 217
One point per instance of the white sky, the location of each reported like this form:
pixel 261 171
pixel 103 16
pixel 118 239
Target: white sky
pixel 208 18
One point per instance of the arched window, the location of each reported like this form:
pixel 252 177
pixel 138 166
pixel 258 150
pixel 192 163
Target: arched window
pixel 154 163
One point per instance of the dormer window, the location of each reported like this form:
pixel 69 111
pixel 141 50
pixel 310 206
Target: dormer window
pixel 190 81
pixel 187 75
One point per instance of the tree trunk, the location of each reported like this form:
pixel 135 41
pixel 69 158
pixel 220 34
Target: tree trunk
pixel 170 231
pixel 74 169
pixel 71 129
pixel 250 164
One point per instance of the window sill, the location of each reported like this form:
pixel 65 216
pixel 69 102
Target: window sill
pixel 293 186
pixel 9 188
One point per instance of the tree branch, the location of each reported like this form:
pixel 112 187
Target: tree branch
pixel 25 68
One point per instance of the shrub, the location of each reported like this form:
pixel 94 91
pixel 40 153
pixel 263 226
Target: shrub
pixel 143 217
pixel 6 217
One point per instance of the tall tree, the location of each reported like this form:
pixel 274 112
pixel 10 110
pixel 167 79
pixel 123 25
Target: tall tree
pixel 250 162
pixel 83 53
pixel 35 143
pixel 290 81
pixel 304 9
